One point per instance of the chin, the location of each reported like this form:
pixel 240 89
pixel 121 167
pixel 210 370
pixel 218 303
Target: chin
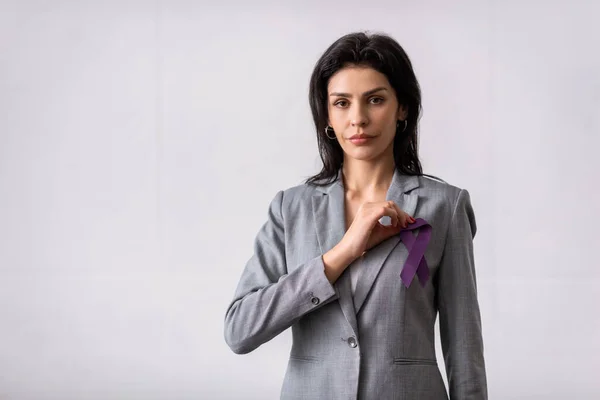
pixel 364 153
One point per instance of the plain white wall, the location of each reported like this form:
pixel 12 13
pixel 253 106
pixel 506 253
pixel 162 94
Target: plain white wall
pixel 140 144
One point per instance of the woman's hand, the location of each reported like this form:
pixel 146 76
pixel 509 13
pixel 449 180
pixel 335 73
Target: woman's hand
pixel 366 231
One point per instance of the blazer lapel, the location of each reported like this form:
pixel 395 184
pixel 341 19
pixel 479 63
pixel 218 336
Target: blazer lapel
pixel 330 224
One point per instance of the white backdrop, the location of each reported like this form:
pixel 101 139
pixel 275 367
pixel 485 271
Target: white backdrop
pixel 137 138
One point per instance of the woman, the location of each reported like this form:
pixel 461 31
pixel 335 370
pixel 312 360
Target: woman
pixel 362 296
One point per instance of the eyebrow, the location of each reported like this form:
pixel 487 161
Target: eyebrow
pixel 368 92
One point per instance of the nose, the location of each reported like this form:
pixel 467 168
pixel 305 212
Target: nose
pixel 359 116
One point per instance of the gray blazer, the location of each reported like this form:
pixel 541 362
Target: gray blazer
pixel 379 343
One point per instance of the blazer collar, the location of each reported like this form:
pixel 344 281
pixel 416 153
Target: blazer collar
pixel 330 223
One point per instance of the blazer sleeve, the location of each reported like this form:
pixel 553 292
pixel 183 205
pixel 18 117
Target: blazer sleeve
pixel 460 319
pixel 268 299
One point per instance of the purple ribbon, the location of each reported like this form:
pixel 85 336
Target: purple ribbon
pixel 416 263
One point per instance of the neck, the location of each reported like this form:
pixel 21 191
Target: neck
pixel 366 178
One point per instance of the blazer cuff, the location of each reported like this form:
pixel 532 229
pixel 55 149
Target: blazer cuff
pixel 319 290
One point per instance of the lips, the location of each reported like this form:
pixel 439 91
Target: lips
pixel 360 136
pixel 359 140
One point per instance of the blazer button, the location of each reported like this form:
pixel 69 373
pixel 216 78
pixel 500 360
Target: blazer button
pixel 315 300
pixel 352 342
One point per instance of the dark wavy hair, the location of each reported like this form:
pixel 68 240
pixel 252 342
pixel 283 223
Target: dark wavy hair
pixel 384 54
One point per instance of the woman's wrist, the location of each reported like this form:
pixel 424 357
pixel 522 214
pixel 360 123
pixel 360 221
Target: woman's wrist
pixel 336 261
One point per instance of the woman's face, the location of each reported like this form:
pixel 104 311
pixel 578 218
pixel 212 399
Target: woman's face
pixel 361 101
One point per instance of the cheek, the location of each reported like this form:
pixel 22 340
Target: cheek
pixel 384 117
pixel 336 115
pixel 387 125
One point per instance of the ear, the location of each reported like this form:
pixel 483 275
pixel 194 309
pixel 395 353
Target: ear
pixel 402 112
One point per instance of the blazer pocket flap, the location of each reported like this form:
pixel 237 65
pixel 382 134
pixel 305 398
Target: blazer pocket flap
pixel 414 361
pixel 305 358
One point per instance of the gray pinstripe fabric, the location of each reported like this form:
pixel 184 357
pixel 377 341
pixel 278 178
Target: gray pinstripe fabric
pixel 283 285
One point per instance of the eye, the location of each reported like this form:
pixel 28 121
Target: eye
pixel 379 100
pixel 339 103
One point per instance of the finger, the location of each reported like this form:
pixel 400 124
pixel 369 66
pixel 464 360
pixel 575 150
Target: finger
pixel 392 212
pixel 399 213
pixel 401 219
pixel 405 217
pixel 398 221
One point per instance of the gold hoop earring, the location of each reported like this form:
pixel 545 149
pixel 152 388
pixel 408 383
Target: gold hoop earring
pixel 327 128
